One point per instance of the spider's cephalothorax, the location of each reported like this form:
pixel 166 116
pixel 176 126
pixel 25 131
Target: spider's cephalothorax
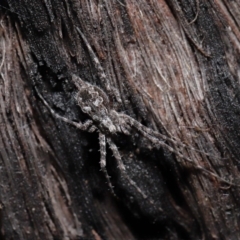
pixel 95 103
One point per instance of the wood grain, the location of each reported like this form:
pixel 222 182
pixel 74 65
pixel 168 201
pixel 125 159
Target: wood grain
pixel 176 66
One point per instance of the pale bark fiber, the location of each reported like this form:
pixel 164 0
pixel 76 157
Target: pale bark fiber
pixel 176 66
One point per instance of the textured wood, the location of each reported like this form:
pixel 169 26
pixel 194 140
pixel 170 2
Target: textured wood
pixel 176 66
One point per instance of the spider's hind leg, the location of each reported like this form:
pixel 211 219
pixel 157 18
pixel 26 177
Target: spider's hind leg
pixel 102 143
pixel 121 166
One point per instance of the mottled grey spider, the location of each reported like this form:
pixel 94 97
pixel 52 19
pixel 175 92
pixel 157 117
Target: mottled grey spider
pixel 108 122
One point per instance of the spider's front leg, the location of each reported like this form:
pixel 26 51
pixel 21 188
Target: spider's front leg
pixel 101 74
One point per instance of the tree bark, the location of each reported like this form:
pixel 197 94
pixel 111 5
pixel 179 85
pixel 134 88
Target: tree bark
pixel 176 67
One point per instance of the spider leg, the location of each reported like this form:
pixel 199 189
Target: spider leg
pixel 98 66
pixel 102 143
pixel 153 135
pixel 120 123
pixel 125 130
pixel 157 142
pixel 92 129
pixel 82 126
pixel 147 133
pixel 121 166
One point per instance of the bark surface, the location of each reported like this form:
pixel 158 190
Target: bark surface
pixel 176 67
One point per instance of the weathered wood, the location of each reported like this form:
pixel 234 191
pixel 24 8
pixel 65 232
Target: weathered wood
pixel 175 64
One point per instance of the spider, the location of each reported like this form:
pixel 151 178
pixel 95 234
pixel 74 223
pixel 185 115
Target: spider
pixel 108 122
pixel 104 119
